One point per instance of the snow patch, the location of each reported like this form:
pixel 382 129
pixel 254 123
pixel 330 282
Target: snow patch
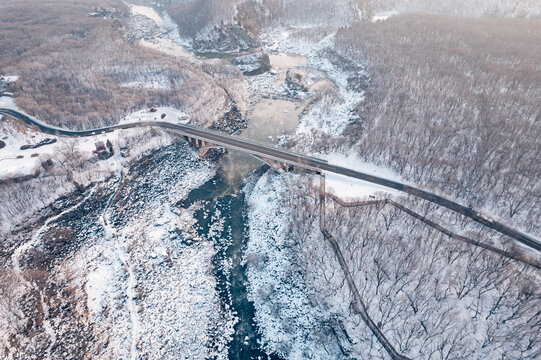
pixel 148 12
pixel 167 46
pixel 7 102
pixel 289 324
pixel 383 16
pixel 98 284
pixel 156 84
pixel 171 115
pixel 9 78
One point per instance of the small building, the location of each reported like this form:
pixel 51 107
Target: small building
pixel 100 147
pixel 104 150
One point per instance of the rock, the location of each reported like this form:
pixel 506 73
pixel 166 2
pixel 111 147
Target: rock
pixel 47 164
pixel 295 81
pixel 224 39
pixel 232 122
pixel 106 13
pixel 252 64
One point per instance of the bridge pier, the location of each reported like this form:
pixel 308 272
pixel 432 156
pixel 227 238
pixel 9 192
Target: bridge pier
pixel 278 165
pixel 203 152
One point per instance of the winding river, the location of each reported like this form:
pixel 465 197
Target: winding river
pixel 223 197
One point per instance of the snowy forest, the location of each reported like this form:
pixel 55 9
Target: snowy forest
pixel 147 243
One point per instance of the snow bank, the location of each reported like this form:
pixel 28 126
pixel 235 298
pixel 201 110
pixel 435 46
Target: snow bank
pixel 289 323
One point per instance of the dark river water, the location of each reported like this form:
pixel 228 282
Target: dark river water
pixel 220 199
pixel 223 198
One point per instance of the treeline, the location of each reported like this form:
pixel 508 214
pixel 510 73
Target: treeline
pixel 454 106
pixel 478 8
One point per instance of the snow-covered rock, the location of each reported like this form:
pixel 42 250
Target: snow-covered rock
pixel 295 81
pixel 252 64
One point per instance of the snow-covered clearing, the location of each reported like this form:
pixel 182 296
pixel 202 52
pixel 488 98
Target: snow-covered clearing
pixel 171 115
pixel 7 102
pixel 348 188
pixel 15 163
pixel 8 78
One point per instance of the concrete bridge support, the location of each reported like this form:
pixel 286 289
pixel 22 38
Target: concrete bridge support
pixel 279 165
pixel 202 145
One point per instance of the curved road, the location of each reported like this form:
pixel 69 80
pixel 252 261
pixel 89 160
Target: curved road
pixel 270 152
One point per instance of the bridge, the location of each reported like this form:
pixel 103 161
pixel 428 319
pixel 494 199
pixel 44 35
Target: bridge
pixel 286 160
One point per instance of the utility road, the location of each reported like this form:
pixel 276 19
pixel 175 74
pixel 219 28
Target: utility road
pixel 271 152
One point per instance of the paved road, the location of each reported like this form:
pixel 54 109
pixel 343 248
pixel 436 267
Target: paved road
pixel 270 152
